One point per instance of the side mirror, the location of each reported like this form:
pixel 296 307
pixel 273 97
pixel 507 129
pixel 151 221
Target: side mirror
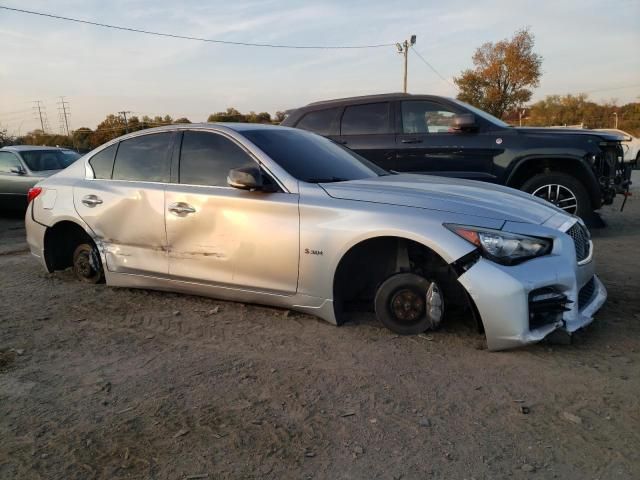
pixel 19 170
pixel 464 122
pixel 245 178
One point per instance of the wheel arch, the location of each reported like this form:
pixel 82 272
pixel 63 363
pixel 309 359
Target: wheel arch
pixel 570 165
pixel 60 240
pixel 393 253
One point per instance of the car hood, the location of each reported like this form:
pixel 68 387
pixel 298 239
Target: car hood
pixel 467 197
pixel 607 136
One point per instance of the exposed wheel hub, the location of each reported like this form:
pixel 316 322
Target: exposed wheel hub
pixel 407 305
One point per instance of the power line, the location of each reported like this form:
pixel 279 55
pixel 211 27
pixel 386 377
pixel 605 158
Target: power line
pixel 431 67
pixel 199 39
pixel 63 114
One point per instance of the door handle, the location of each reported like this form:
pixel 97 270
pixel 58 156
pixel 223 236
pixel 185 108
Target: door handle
pixel 411 140
pixel 181 209
pixel 91 200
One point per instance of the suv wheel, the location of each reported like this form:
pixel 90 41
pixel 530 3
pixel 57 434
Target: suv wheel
pixel 564 191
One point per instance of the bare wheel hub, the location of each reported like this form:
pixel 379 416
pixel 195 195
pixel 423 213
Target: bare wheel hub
pixel 407 305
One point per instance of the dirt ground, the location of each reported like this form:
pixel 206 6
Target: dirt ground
pixel 103 383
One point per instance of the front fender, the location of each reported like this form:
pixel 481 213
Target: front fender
pixel 329 228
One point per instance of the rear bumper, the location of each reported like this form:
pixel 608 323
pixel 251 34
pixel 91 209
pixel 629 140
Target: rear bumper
pixel 501 295
pixel 35 236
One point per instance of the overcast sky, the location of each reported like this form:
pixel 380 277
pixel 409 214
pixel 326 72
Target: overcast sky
pixel 587 45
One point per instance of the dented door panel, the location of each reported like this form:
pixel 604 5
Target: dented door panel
pixel 128 221
pixel 226 236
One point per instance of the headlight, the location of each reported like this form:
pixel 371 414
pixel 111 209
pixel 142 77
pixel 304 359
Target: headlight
pixel 502 247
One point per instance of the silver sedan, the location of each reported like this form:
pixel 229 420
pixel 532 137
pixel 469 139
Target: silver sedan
pixel 284 217
pixel 22 166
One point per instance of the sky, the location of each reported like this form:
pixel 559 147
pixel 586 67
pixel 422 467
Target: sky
pixel 587 46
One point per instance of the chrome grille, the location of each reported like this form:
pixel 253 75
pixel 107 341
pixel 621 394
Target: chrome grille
pixel 580 240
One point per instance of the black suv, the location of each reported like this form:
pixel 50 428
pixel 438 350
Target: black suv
pixel 577 170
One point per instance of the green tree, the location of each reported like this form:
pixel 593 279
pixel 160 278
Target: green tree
pixel 503 75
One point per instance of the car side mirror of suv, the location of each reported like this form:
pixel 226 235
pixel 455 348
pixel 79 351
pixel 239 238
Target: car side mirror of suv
pixel 464 122
pixel 249 178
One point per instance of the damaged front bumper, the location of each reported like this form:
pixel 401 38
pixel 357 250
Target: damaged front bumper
pixel 503 296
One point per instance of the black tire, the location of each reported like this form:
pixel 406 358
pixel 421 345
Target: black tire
pixel 87 266
pixel 539 186
pixel 401 306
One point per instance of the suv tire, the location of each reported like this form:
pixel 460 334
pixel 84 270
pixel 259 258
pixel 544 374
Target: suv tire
pixel 565 192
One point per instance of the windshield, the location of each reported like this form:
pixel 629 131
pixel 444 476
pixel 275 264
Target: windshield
pixel 312 158
pixel 481 113
pixel 39 160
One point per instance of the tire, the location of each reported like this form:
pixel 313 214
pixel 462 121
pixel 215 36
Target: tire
pixel 87 266
pixel 408 304
pixel 573 196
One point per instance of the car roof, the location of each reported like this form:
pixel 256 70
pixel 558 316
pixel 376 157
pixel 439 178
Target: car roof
pixel 26 148
pixel 371 98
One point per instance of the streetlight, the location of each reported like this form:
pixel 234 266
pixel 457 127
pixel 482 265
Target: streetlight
pixel 403 49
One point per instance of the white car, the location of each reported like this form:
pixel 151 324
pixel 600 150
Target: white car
pixel 630 145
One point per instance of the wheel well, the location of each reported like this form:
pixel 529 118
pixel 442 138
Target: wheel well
pixel 60 241
pixel 367 264
pixel 569 166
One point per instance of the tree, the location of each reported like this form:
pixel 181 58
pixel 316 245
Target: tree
pixel 279 117
pixel 503 74
pixel 182 120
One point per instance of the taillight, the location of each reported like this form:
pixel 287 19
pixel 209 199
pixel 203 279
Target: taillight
pixel 33 193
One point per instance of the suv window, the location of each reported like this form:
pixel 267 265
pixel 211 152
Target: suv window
pixel 144 158
pixel 366 119
pixel 8 161
pixel 426 117
pixel 102 162
pixel 206 158
pixel 320 122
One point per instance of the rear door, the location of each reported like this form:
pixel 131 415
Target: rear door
pixel 124 203
pixel 223 236
pixel 367 130
pixel 427 144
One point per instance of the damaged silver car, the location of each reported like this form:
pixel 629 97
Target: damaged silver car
pixel 284 217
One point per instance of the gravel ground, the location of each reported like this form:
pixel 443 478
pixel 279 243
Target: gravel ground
pixel 102 383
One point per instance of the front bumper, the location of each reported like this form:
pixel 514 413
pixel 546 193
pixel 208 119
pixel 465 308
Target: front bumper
pixel 501 295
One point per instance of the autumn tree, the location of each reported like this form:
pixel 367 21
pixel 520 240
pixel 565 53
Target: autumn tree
pixel 503 75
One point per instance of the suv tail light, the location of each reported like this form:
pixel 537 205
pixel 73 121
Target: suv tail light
pixel 33 193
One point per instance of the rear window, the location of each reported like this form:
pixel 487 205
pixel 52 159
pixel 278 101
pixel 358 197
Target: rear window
pixel 144 159
pixel 320 122
pixel 41 160
pixel 369 119
pixel 102 162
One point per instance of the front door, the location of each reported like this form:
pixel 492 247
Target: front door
pixel 224 236
pixel 125 209
pixel 427 144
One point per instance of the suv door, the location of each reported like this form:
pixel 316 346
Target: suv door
pixel 221 235
pixel 367 130
pixel 124 203
pixel 427 144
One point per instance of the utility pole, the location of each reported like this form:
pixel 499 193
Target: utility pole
pixel 126 124
pixel 38 108
pixel 615 116
pixel 403 49
pixel 64 108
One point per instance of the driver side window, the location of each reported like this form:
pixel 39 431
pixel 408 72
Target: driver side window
pixel 423 117
pixel 8 161
pixel 206 158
